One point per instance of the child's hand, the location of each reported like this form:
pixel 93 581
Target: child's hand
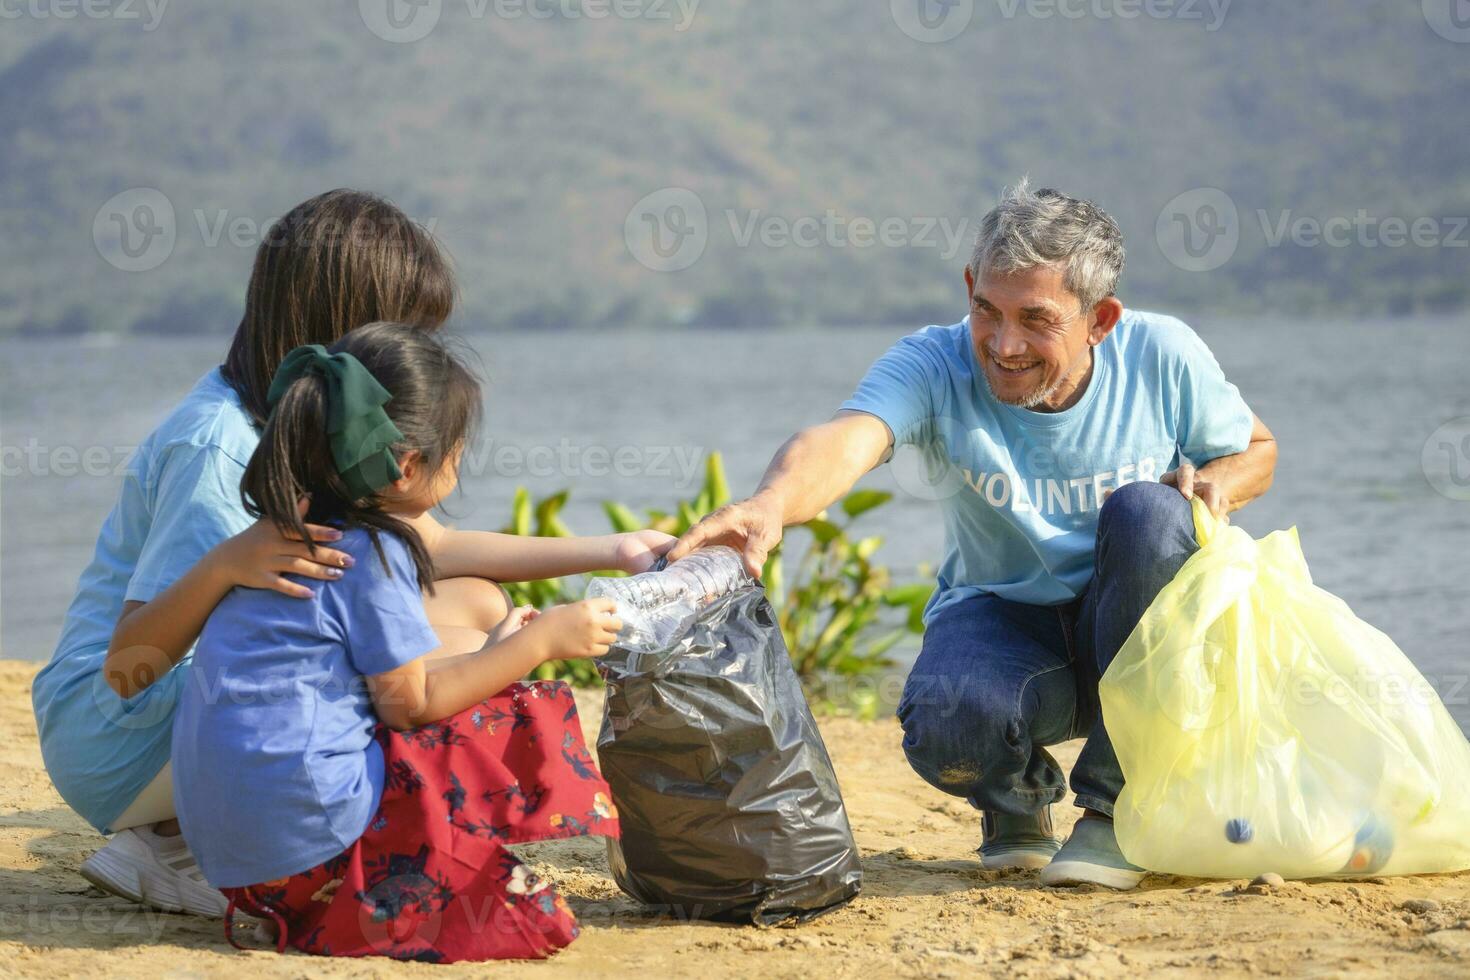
pixel 514 620
pixel 636 551
pixel 259 556
pixel 579 630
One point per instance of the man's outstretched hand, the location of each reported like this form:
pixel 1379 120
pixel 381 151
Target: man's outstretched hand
pixel 752 527
pixel 1186 480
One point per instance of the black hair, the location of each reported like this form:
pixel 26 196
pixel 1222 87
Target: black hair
pixel 436 405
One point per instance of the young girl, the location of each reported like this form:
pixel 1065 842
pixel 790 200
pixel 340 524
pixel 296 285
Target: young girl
pixel 334 770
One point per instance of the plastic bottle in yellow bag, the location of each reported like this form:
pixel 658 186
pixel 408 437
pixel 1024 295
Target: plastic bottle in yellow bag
pixel 1261 726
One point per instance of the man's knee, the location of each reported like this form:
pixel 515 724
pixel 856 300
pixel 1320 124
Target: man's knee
pixel 1145 529
pixel 956 729
pixel 1145 508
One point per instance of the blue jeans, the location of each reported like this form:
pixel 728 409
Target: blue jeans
pixel 997 681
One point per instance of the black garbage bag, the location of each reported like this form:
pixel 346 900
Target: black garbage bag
pixel 728 802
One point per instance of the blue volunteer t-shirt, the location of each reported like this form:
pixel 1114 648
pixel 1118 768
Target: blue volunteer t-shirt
pixel 1021 488
pixel 274 765
pixel 179 498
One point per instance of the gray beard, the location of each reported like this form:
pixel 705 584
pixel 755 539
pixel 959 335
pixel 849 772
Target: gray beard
pixel 1027 401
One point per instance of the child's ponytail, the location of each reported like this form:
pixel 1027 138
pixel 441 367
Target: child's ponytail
pixel 340 419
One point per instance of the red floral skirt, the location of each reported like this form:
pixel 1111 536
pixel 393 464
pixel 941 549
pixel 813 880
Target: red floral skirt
pixel 431 878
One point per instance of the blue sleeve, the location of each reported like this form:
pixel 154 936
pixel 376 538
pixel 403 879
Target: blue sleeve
pixel 900 389
pixel 383 615
pixel 196 505
pixel 1214 419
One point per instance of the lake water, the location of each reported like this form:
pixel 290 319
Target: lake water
pixel 630 416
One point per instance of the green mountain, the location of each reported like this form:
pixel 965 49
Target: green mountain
pixel 840 163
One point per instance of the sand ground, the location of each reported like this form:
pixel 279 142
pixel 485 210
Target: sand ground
pixel 927 907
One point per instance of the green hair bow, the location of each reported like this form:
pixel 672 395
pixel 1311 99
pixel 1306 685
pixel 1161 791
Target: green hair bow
pixel 360 433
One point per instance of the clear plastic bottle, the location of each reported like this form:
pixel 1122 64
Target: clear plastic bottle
pixel 656 606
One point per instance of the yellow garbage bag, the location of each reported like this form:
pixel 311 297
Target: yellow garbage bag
pixel 1261 726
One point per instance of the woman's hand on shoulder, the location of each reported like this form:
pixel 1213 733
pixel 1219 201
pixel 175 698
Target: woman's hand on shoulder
pixel 578 630
pixel 260 557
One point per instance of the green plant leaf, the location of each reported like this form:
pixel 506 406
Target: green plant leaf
pixel 823 531
pixel 620 517
pixel 907 595
pixel 549 507
pixel 773 575
pixel 520 513
pixel 715 483
pixel 862 501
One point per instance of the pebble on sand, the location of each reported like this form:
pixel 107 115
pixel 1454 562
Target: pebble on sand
pixel 1420 906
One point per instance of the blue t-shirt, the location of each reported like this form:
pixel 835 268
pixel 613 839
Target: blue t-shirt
pixel 274 766
pixel 1021 488
pixel 180 497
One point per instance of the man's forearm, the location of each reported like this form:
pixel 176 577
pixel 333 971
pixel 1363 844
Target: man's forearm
pixel 819 465
pixel 1243 476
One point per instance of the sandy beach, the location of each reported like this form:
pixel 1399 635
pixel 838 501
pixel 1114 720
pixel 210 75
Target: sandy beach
pixel 927 907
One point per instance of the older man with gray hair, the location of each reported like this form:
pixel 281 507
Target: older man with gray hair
pixel 1080 431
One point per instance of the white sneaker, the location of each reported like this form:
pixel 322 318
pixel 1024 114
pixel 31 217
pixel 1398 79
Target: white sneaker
pixel 156 871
